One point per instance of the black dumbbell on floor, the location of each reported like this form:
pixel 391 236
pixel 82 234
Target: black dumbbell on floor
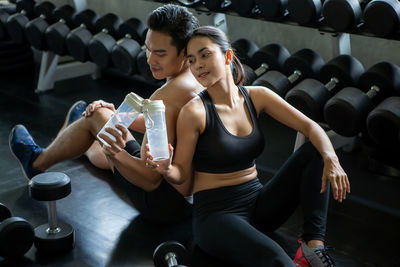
pixel 347 111
pixel 382 17
pixel 310 95
pixel 53 236
pixel 16 235
pixel 303 64
pixel 171 254
pixel 126 50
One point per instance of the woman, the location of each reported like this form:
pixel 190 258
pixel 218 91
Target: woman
pixel 218 139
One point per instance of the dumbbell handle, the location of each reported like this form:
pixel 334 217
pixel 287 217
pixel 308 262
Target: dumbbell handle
pixel 170 258
pixel 262 69
pixel 373 91
pixel 294 76
pixel 52 216
pixel 332 83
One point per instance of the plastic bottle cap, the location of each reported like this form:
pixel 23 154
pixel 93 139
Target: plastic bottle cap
pixel 135 101
pixel 153 105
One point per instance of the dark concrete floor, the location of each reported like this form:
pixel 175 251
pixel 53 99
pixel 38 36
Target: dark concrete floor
pixel 109 231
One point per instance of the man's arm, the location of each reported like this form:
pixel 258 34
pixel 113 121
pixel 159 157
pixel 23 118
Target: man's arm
pixel 138 125
pixel 134 170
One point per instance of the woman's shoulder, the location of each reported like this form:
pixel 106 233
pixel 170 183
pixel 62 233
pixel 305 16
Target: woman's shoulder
pixel 194 105
pixel 193 112
pixel 257 91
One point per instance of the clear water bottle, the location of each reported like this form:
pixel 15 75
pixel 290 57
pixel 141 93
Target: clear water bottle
pixel 126 113
pixel 156 129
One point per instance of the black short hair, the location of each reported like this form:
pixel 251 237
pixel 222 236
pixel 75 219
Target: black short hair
pixel 175 21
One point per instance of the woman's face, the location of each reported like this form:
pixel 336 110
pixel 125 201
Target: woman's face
pixel 207 62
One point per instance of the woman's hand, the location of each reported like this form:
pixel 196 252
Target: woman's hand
pixel 334 172
pixel 92 107
pixel 160 166
pixel 115 146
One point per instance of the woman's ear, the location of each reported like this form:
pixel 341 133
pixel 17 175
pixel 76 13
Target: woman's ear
pixel 228 56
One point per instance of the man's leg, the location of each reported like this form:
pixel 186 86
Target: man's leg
pixel 71 142
pixel 97 157
pixel 95 152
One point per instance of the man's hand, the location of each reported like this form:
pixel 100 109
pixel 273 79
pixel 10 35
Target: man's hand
pixel 116 144
pixel 92 107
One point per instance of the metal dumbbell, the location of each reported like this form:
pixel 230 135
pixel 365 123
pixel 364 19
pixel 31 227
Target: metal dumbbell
pixel 303 64
pixel 127 49
pixel 269 57
pixel 64 16
pixel 169 253
pixel 382 17
pixel 16 23
pixel 310 95
pixel 343 15
pixel 347 111
pixel 16 234
pixel 53 236
pixel 383 123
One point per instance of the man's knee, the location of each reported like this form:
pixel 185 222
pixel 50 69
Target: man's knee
pixel 99 118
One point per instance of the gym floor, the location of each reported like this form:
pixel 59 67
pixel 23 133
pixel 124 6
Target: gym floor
pixel 364 230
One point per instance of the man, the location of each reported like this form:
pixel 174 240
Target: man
pixel 169 27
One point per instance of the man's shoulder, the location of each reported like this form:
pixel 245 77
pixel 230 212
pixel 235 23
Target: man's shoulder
pixel 182 83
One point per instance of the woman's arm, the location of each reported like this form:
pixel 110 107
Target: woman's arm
pixel 191 119
pixel 267 101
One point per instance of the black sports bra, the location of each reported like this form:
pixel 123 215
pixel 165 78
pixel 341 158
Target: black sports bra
pixel 217 150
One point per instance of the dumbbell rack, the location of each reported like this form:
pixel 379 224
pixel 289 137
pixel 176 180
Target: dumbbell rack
pixel 340 45
pixel 52 69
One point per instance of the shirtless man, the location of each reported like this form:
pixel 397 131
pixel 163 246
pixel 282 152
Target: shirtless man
pixel 169 27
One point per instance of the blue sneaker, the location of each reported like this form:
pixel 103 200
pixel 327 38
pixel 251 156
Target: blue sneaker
pixel 24 149
pixel 74 113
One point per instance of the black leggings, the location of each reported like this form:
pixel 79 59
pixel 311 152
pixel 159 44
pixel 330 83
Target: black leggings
pixel 164 204
pixel 232 223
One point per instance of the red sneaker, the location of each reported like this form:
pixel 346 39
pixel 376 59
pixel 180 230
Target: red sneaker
pixel 299 260
pixel 314 257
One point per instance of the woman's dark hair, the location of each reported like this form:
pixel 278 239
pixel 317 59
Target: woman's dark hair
pixel 175 21
pixel 219 38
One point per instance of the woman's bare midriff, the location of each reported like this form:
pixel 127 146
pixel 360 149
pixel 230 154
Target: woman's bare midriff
pixel 204 180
